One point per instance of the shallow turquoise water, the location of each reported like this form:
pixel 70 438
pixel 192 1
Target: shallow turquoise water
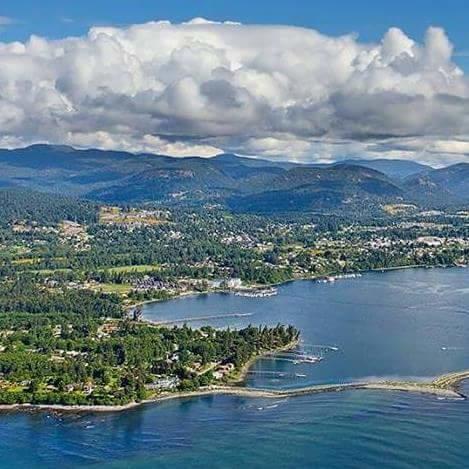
pixel 384 324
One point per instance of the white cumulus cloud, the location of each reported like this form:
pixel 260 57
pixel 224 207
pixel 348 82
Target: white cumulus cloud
pixel 203 87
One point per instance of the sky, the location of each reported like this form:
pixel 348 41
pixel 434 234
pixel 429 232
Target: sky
pixel 306 80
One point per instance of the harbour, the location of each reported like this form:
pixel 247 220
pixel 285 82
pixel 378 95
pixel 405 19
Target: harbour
pixel 372 373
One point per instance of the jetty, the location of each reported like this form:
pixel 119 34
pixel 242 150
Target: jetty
pixel 436 388
pixel 199 318
pixel 444 386
pixel 451 380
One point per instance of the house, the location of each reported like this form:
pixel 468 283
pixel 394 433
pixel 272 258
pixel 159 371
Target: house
pixel 165 383
pixel 223 370
pixel 88 389
pixel 430 241
pixel 215 283
pixel 234 283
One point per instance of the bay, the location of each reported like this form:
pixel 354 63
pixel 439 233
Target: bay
pixel 411 323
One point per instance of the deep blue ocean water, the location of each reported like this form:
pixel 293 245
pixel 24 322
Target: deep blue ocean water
pixel 412 323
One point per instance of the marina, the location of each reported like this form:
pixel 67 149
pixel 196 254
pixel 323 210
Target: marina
pixel 333 278
pixel 257 293
pixel 357 335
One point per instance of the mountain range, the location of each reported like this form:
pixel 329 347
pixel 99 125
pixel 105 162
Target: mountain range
pixel 243 184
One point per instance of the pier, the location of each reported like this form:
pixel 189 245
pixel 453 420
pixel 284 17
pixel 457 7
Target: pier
pixel 199 318
pixel 432 389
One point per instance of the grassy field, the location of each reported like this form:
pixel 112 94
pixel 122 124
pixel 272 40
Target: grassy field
pixel 50 271
pixel 25 261
pixel 121 289
pixel 113 270
pixel 117 216
pixel 132 268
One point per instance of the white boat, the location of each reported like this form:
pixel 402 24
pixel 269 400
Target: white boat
pixel 312 359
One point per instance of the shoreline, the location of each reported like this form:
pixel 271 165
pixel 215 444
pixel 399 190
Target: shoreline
pixel 182 295
pixel 443 387
pixel 239 377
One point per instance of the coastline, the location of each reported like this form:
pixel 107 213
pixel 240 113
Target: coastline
pixel 295 279
pixel 442 387
pixel 239 377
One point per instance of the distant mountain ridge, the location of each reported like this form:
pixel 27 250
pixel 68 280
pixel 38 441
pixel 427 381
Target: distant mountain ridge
pixel 451 182
pixel 393 168
pixel 244 184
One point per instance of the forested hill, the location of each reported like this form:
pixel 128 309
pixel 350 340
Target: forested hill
pixel 451 183
pixel 27 205
pixel 309 189
pixel 243 184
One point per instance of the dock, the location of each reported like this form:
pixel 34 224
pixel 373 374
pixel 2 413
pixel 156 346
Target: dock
pixel 199 318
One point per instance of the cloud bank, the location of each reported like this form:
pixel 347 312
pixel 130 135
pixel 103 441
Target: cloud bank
pixel 200 88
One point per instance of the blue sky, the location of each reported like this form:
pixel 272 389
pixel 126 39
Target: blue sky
pixel 369 18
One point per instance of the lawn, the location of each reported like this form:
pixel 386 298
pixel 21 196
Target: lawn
pixel 121 289
pixel 132 268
